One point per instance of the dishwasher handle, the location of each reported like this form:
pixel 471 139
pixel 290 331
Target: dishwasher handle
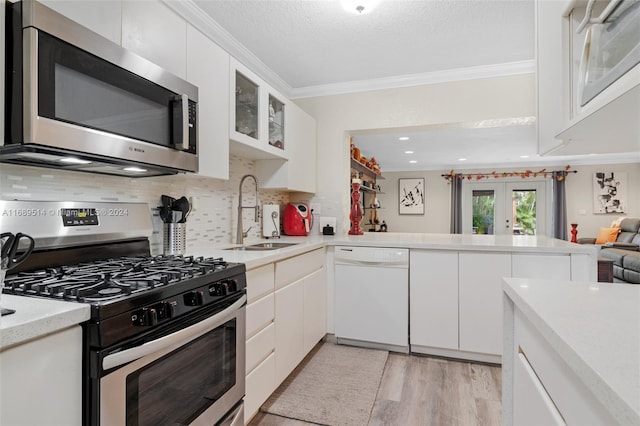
pixel 372 256
pixel 382 264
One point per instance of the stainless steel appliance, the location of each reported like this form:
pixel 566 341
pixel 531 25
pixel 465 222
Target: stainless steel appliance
pixel 612 45
pixel 75 100
pixel 165 343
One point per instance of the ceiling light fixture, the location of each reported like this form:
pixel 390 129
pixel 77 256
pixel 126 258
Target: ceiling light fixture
pixel 462 159
pixel 408 152
pixel 403 138
pixel 359 7
pixel 524 156
pixel 413 161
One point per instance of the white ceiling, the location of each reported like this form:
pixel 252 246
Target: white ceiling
pixel 312 43
pixel 311 47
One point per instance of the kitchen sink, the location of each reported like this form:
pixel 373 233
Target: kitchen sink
pixel 262 246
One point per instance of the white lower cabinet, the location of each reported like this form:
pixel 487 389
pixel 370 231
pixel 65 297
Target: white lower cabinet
pixel 480 300
pixel 545 390
pixel 542 266
pixel 47 372
pixel 260 383
pixel 289 328
pixel 315 309
pixel 433 299
pixel 456 297
pixel 532 405
pixel 286 317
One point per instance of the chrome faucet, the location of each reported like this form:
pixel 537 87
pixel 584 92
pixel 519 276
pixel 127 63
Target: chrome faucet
pixel 240 233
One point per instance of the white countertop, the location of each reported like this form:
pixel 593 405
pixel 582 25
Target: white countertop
pixel 595 328
pixel 518 243
pixel 36 317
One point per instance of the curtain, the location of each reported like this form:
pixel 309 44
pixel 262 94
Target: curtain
pixel 559 206
pixel 456 206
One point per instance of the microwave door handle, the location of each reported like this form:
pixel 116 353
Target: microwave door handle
pixel 179 337
pixel 185 122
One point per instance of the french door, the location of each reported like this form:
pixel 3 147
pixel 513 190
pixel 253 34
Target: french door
pixel 504 208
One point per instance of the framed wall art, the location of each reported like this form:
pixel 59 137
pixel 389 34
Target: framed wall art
pixel 609 192
pixel 411 196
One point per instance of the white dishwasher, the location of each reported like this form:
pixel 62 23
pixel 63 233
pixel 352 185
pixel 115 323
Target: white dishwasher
pixel 372 297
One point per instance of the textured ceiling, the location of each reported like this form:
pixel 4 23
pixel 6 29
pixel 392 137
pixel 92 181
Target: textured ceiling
pixel 310 43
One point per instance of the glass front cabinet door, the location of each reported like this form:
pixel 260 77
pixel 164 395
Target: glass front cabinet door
pixel 257 116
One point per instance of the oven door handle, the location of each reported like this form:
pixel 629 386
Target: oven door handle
pixel 179 337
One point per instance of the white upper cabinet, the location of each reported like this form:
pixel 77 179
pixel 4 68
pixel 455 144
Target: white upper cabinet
pixel 155 32
pixel 549 53
pixel 208 68
pixel 299 172
pixel 102 16
pixel 257 116
pixel 608 106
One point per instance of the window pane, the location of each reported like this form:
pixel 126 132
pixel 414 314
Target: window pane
pixel 524 212
pixel 483 203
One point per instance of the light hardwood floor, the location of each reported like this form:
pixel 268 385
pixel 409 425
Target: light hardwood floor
pixel 420 390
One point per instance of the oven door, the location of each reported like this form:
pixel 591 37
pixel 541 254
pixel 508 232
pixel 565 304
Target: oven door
pixel 194 376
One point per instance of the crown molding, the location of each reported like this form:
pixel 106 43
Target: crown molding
pixel 434 77
pixel 193 14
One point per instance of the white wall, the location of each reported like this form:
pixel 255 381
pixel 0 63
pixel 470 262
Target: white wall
pixel 454 102
pixel 436 219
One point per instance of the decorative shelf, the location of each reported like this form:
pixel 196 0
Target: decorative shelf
pixel 356 165
pixel 366 188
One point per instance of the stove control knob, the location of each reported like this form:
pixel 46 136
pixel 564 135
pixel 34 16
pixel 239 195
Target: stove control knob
pixel 166 310
pixel 145 317
pixel 232 285
pixel 194 298
pixel 218 289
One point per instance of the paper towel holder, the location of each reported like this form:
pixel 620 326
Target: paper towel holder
pixel 271 221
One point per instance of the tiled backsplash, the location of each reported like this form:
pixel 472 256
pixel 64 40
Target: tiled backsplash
pixel 211 222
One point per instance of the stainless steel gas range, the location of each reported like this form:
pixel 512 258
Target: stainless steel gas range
pixel 165 340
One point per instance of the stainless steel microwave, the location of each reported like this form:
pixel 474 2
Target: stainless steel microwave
pixel 75 100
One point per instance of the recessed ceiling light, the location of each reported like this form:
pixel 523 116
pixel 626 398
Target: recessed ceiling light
pixel 462 159
pixel 408 152
pixel 134 169
pixel 413 161
pixel 403 138
pixel 359 7
pixel 74 160
pixel 524 156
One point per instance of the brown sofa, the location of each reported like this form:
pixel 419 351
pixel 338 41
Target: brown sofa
pixel 624 252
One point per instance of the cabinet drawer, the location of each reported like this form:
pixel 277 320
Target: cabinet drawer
pixel 259 282
pixel 259 314
pixel 260 346
pixel 290 270
pixel 532 405
pixel 573 399
pixel 260 383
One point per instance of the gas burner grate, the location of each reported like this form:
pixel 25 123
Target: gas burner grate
pixel 111 278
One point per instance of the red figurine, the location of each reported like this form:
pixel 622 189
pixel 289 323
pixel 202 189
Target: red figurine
pixel 356 209
pixel 574 232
